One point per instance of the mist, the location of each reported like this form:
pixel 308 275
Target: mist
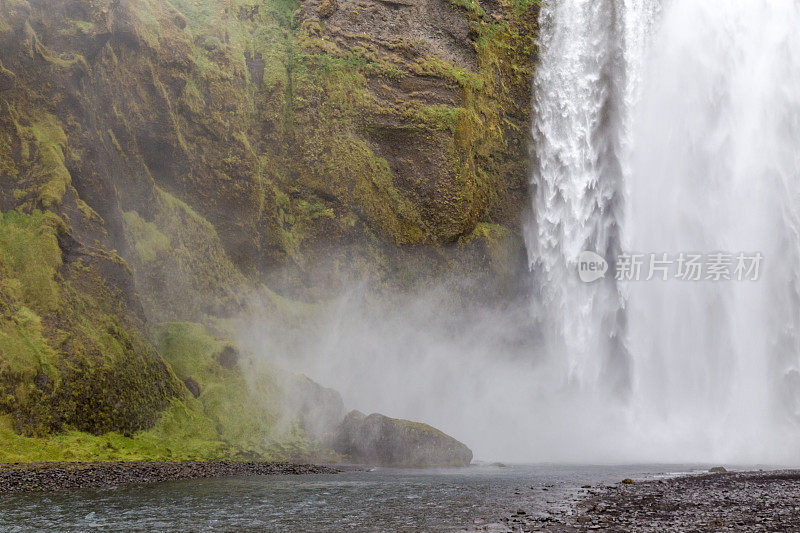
pixel 483 376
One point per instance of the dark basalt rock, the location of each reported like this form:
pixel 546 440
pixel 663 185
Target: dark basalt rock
pixel 31 477
pixel 379 440
pixel 193 387
pixel 7 79
pixel 725 501
pixel 229 357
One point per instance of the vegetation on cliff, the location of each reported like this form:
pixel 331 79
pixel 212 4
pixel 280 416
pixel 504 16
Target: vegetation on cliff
pixel 161 160
pixel 220 414
pixel 69 356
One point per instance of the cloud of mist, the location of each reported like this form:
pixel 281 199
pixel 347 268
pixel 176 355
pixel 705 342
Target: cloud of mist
pixel 475 371
pixel 478 373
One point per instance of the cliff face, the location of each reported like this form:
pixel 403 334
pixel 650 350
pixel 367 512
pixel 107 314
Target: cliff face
pixel 158 158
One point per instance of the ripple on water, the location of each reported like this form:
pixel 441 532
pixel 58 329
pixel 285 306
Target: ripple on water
pixel 381 500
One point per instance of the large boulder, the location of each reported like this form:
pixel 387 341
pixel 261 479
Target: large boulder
pixel 379 440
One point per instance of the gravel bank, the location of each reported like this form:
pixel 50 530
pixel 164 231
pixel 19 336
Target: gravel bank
pixel 29 477
pixel 732 501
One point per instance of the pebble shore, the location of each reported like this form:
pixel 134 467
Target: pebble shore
pixel 730 501
pixel 30 477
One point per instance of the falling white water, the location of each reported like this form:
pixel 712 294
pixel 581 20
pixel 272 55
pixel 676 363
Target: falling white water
pixel 716 166
pixel 580 86
pixel 674 128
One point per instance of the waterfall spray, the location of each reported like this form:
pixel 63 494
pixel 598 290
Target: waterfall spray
pixel 716 147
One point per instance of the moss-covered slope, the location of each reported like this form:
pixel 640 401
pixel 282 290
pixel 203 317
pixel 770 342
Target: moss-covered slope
pixel 220 415
pixel 160 160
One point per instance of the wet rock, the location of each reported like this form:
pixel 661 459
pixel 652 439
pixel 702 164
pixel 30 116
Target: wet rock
pixel 718 470
pixel 31 477
pixel 327 8
pixel 193 386
pixel 42 381
pixel 7 79
pixel 228 357
pixel 379 440
pixel 740 501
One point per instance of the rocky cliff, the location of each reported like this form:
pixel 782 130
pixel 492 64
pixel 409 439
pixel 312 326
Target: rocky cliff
pixel 160 160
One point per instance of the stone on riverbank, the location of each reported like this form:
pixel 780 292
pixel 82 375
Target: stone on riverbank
pixel 30 477
pixel 379 440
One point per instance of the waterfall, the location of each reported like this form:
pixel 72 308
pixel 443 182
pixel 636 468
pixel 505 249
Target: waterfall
pixel 578 88
pixel 584 88
pixel 671 127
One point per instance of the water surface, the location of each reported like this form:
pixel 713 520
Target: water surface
pixel 378 500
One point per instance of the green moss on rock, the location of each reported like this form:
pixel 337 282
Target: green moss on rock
pixel 68 357
pixel 379 440
pixel 180 266
pixel 29 260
